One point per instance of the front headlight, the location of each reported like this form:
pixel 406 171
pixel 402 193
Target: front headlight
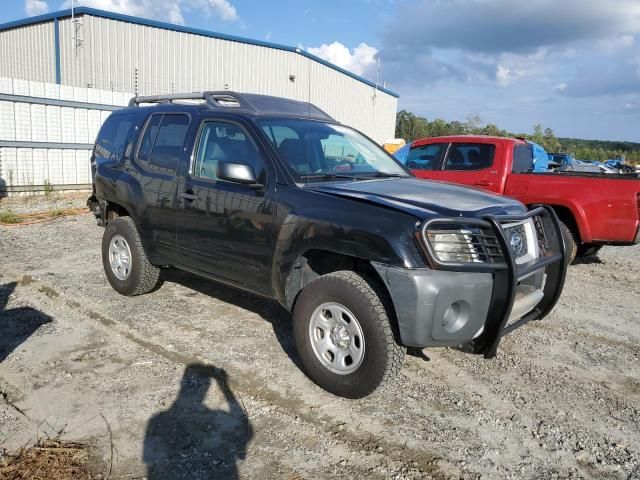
pixel 453 246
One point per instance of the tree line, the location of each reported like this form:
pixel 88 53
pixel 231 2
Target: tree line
pixel 411 127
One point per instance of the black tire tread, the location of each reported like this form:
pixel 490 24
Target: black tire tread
pixel 383 323
pixel 571 241
pixel 148 275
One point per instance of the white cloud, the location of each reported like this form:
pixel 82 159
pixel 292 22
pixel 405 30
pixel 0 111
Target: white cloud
pixel 167 10
pixel 159 9
pixel 504 75
pixel 616 43
pixel 360 60
pixel 561 87
pixel 224 10
pixel 35 7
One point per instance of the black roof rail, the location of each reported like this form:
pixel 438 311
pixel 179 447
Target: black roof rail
pixel 247 102
pixel 213 99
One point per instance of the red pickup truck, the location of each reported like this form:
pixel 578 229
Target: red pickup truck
pixel 594 209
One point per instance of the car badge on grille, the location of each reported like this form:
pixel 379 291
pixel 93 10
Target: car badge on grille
pixel 518 242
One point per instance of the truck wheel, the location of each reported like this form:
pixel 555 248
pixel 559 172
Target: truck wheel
pixel 343 335
pixel 570 242
pixel 588 250
pixel 126 265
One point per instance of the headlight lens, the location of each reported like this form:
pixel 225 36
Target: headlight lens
pixel 453 247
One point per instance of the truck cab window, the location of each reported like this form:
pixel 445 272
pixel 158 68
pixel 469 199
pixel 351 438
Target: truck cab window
pixel 469 156
pixel 425 157
pixel 225 142
pixel 522 158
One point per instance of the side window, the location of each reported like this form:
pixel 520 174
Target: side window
pixel 225 142
pixel 112 139
pixel 425 157
pixel 163 142
pixel 469 156
pixel 522 158
pixel 146 145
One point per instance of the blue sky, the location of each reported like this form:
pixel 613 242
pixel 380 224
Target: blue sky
pixel 572 65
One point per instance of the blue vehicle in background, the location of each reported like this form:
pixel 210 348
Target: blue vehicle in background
pixel 565 162
pixel 618 165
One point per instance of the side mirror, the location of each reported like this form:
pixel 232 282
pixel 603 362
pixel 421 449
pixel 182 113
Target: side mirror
pixel 237 173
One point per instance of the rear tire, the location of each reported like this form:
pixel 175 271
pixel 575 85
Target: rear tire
pixel 570 242
pixel 125 263
pixel 344 336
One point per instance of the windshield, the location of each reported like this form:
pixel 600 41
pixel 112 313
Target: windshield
pixel 317 151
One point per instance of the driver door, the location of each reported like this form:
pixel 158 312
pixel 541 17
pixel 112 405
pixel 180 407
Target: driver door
pixel 225 228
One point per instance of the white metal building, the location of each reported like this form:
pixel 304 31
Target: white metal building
pixel 103 50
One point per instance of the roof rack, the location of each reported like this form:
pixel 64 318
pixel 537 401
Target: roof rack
pixel 213 99
pixel 247 102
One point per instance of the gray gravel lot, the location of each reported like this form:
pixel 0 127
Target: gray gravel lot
pixel 562 400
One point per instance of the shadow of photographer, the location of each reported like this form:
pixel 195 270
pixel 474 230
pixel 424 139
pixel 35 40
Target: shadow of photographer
pixel 190 440
pixel 16 324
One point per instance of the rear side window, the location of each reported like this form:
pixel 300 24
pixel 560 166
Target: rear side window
pixel 469 156
pixel 114 134
pixel 425 157
pixel 163 141
pixel 522 158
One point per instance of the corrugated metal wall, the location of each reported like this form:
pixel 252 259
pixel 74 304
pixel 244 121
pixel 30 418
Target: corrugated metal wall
pixel 28 52
pixel 123 56
pixel 53 142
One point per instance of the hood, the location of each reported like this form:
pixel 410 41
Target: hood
pixel 423 198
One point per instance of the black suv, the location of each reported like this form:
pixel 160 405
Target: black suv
pixel 275 197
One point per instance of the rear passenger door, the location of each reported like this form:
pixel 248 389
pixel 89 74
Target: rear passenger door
pixel 225 228
pixel 473 164
pixel 159 151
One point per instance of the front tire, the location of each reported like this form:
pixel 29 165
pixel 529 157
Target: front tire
pixel 125 263
pixel 344 336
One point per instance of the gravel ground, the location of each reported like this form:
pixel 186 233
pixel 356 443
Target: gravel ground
pixel 561 400
pixel 40 203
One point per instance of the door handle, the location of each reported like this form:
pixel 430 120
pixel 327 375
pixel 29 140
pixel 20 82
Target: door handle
pixel 483 183
pixel 188 196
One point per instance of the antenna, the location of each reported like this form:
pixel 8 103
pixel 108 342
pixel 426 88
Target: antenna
pixel 77 42
pixel 375 93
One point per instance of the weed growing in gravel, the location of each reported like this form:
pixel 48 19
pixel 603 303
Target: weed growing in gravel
pixel 9 217
pixel 47 187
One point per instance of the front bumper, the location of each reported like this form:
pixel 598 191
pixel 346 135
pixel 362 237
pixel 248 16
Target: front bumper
pixel 456 303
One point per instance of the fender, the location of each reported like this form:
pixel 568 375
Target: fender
pixel 576 209
pixel 303 233
pixel 117 184
pixel 579 215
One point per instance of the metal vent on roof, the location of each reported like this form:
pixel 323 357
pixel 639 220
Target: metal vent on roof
pixel 225 100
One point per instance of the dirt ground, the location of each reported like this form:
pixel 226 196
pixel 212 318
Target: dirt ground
pixel 202 381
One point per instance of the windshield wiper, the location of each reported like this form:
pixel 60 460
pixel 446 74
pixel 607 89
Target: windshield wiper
pixel 386 175
pixel 326 176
